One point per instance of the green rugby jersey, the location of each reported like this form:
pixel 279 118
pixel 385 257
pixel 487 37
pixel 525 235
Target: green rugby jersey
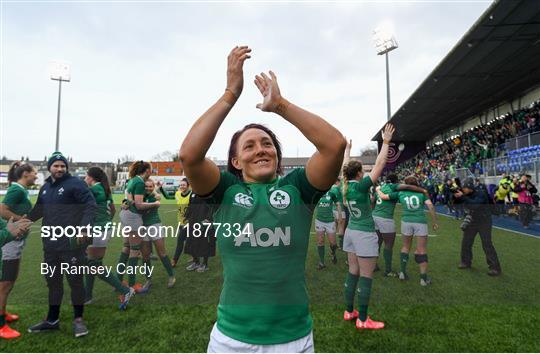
pixel 150 216
pixel 103 202
pixel 359 205
pixel 263 236
pixel 385 208
pixel 337 190
pixel 413 206
pixel 324 208
pixel 18 201
pixel 135 187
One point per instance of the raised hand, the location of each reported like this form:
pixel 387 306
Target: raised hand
pixel 349 145
pixel 272 100
pixel 388 132
pixel 235 71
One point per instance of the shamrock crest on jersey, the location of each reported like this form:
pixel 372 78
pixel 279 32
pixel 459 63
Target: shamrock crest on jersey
pixel 280 199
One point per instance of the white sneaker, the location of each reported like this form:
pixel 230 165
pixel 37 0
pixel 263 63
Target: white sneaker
pixel 171 282
pixel 202 268
pixel 192 266
pixel 425 282
pixel 124 301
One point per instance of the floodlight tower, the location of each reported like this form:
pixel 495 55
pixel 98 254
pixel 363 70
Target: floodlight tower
pixel 384 42
pixel 59 71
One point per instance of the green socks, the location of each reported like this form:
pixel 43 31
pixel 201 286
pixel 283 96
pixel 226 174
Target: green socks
pixel 132 278
pixel 320 249
pixel 122 260
pixel 89 279
pixel 404 259
pixel 148 264
pixel 112 279
pixel 2 320
pixel 168 266
pixel 423 276
pixel 340 240
pixel 350 288
pixel 387 254
pixel 333 249
pixel 364 293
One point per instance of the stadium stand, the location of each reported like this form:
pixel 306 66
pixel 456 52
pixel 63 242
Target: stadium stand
pixel 487 141
pixel 458 112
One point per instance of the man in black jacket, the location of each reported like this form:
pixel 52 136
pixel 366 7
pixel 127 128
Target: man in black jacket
pixel 475 198
pixel 64 202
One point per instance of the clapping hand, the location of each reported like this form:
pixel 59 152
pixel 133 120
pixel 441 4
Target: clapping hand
pixel 235 69
pixel 272 100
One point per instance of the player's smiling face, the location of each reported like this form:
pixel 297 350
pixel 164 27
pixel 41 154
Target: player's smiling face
pixel 183 186
pixel 256 156
pixel 149 187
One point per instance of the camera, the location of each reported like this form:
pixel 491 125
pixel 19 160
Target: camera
pixel 466 222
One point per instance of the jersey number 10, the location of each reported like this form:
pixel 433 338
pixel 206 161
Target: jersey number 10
pixel 412 202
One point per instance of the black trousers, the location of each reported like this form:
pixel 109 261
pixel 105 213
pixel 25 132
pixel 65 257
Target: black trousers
pixel 484 229
pixel 525 213
pixel 55 283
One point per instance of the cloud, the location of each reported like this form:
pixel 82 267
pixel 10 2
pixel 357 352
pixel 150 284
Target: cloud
pixel 142 73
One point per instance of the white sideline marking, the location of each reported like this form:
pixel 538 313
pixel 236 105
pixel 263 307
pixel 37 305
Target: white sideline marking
pixel 313 233
pixel 498 227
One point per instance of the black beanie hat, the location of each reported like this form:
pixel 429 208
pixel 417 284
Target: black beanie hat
pixel 56 156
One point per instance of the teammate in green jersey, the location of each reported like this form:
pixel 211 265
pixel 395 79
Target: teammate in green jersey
pixel 383 216
pixel 154 233
pixel 324 224
pixel 413 223
pixel 264 220
pixel 98 182
pixel 131 217
pixel 16 204
pixel 361 241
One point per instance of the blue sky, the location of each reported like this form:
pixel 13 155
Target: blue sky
pixel 142 73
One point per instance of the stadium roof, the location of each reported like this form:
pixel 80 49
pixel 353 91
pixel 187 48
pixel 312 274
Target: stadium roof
pixel 497 60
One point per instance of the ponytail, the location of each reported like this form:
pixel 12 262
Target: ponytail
pixel 17 170
pixel 138 167
pixel 350 171
pixel 100 176
pixel 345 188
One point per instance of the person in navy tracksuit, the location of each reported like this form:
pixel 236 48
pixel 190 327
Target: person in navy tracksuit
pixel 63 201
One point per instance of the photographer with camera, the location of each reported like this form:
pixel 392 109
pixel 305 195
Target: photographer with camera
pixel 476 201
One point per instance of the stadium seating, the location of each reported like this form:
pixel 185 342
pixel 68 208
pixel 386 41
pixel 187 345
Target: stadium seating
pixel 482 142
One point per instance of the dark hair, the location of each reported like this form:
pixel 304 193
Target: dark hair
pixel 138 167
pixel 392 178
pixel 100 176
pixel 185 180
pixel 350 170
pixel 411 180
pixel 17 170
pixel 234 141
